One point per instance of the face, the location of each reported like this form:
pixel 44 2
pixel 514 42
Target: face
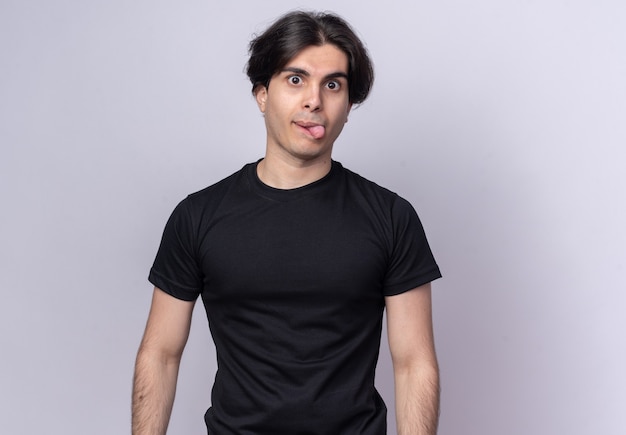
pixel 306 104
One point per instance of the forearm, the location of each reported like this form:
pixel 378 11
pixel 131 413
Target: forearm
pixel 417 400
pixel 154 388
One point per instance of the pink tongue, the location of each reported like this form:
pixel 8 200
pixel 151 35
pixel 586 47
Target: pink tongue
pixel 317 131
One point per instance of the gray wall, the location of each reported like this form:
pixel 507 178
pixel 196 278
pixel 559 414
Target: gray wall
pixel 504 123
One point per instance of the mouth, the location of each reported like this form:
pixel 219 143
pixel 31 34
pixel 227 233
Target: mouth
pixel 316 131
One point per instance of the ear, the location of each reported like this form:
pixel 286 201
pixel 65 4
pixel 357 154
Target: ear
pixel 260 94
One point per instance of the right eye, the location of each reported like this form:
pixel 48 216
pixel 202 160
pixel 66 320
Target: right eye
pixel 294 80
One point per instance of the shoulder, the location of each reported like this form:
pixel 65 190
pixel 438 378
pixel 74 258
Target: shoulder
pixel 200 205
pixel 214 194
pixel 358 181
pixel 375 199
pixel 222 186
pixel 371 191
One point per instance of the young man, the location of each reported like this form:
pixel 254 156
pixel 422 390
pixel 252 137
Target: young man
pixel 295 259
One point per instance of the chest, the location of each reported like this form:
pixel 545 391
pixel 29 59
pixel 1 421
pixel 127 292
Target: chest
pixel 305 250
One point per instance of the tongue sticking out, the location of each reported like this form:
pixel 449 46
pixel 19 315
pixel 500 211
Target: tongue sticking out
pixel 317 131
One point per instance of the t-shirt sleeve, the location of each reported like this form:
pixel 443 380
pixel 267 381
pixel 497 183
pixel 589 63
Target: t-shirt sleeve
pixel 412 263
pixel 176 269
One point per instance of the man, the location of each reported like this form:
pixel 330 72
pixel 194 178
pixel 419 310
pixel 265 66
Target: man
pixel 295 258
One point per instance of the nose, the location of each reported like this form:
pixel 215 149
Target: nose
pixel 313 99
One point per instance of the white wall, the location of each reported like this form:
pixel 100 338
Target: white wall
pixel 503 122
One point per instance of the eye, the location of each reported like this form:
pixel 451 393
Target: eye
pixel 294 80
pixel 333 85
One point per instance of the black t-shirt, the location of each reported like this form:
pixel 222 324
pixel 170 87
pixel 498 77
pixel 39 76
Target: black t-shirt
pixel 293 283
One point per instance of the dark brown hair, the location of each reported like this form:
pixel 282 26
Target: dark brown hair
pixel 293 32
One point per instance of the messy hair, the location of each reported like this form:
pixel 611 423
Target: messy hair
pixel 295 31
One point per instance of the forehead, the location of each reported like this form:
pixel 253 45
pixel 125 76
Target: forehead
pixel 326 58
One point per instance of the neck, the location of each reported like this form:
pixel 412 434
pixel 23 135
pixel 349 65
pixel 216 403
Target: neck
pixel 291 173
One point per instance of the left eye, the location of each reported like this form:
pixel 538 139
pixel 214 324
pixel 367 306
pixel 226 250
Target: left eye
pixel 332 85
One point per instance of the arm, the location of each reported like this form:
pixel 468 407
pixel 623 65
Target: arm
pixel 416 373
pixel 158 360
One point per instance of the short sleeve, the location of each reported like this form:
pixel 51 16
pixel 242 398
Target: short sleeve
pixel 176 268
pixel 412 263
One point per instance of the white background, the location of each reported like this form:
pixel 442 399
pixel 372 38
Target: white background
pixel 503 122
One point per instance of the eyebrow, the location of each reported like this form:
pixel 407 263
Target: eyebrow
pixel 305 73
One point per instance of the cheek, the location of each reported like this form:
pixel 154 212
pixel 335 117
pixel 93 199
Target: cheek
pixel 275 120
pixel 338 125
pixel 276 109
pixel 342 116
